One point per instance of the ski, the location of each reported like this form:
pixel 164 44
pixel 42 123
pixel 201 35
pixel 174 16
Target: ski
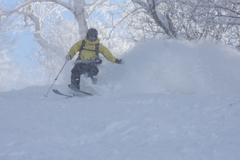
pixel 80 91
pixel 76 94
pixel 62 94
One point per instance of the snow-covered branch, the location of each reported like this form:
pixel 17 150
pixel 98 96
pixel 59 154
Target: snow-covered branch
pixel 29 2
pixel 163 20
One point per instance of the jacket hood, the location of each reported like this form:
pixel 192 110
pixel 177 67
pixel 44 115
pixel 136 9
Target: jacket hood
pixel 94 42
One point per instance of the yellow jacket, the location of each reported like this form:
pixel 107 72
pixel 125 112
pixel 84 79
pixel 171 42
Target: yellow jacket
pixel 86 54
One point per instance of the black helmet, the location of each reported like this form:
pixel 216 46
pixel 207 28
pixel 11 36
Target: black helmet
pixel 92 34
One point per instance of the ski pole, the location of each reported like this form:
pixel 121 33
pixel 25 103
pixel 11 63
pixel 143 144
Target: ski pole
pixel 46 95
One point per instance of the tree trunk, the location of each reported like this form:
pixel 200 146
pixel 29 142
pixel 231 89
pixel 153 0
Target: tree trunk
pixel 80 16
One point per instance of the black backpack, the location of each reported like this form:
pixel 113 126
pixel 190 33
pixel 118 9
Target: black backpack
pixel 97 60
pixel 83 45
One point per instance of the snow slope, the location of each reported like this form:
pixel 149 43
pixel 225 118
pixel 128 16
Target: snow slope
pixel 170 101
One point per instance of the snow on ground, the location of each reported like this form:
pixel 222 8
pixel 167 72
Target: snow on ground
pixel 170 100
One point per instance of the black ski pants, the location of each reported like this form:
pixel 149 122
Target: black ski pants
pixel 82 68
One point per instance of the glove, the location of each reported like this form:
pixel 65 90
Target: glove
pixel 68 57
pixel 119 61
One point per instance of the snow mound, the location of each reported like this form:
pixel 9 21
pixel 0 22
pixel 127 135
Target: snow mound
pixel 159 66
pixel 138 126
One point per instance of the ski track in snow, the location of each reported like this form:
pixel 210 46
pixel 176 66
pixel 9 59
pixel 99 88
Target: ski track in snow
pixel 170 101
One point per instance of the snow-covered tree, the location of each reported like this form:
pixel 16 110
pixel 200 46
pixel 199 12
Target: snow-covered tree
pixel 9 70
pixel 56 25
pixel 217 20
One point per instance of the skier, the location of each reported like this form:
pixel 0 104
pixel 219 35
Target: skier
pixel 88 58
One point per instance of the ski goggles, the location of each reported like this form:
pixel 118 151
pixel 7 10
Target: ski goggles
pixel 92 37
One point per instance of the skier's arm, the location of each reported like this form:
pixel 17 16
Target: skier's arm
pixel 74 49
pixel 106 53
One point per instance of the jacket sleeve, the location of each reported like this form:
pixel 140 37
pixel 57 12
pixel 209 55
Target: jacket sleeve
pixel 75 48
pixel 106 53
